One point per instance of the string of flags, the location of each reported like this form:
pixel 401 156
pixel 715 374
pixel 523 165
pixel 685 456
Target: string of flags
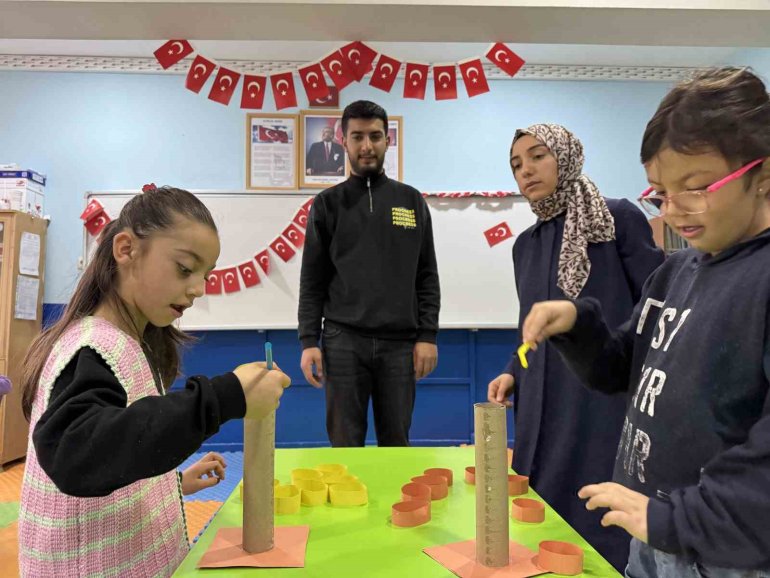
pixel 349 64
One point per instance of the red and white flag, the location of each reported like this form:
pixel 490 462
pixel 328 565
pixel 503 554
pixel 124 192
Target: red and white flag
pixel 253 95
pixel 339 69
pixel 214 283
pixel 385 73
pixel 92 209
pixel 498 234
pixel 283 90
pixel 312 77
pixel 230 280
pixel 505 58
pixel 309 203
pixel 249 273
pixel 224 86
pixel 474 78
pixel 199 73
pixel 300 218
pixel 282 249
pixel 415 80
pixel 172 52
pixel 360 57
pixel 263 258
pixel 294 234
pixel 95 224
pixel 267 134
pixel 445 81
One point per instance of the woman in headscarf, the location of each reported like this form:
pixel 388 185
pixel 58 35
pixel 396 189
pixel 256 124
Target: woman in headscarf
pixel 582 245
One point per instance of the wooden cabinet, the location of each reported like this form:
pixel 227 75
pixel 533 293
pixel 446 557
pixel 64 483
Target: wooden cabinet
pixel 22 274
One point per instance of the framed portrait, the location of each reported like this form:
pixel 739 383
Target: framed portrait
pixel 394 156
pixel 322 157
pixel 272 146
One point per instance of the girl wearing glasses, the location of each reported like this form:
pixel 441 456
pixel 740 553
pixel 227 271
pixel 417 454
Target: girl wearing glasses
pixel 692 473
pixel 582 245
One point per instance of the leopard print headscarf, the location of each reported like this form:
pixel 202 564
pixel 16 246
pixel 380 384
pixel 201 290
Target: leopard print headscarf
pixel 588 219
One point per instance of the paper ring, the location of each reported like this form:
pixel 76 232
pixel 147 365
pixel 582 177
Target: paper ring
pixel 312 492
pixel 517 485
pixel 332 468
pixel 330 479
pixel 470 475
pixel 287 499
pixel 527 510
pixel 443 472
pixel 437 484
pixel 415 492
pixel 410 514
pixel 305 474
pixel 349 494
pixel 560 558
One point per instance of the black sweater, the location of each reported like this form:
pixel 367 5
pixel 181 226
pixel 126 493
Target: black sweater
pixel 90 444
pixel 695 360
pixel 369 263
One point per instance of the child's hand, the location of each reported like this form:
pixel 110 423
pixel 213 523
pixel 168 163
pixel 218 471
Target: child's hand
pixel 500 389
pixel 548 318
pixel 628 509
pixel 261 387
pixel 206 472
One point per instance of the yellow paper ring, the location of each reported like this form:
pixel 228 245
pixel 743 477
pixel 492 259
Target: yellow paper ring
pixel 339 479
pixel 522 351
pixel 305 474
pixel 350 494
pixel 336 469
pixel 312 492
pixel 287 499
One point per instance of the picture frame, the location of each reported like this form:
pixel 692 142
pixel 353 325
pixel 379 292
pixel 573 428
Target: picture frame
pixel 322 163
pixel 272 146
pixel 394 157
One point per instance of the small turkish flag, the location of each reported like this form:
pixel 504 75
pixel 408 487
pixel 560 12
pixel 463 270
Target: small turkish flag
pixel 224 86
pixel 294 234
pixel 253 95
pixel 283 90
pixel 92 209
pixel 249 273
pixel 385 72
pixel 199 73
pixel 445 81
pixel 263 258
pixel 282 249
pixel 267 134
pixel 301 218
pixel 473 75
pixel 312 77
pixel 96 223
pixel 230 280
pixel 339 69
pixel 498 234
pixel 331 100
pixel 415 80
pixel 172 52
pixel 214 283
pixel 505 58
pixel 360 57
pixel 309 203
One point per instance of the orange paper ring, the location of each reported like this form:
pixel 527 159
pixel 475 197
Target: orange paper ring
pixel 437 484
pixel 443 472
pixel 470 475
pixel 527 510
pixel 415 492
pixel 517 485
pixel 410 514
pixel 560 558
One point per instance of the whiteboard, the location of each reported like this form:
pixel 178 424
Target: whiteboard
pixel 477 284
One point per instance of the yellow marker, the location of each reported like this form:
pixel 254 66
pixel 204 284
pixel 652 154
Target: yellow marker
pixel 522 351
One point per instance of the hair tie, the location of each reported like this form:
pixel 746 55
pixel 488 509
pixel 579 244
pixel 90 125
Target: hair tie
pixel 149 187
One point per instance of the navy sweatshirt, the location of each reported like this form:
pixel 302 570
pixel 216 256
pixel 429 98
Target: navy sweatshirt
pixel 695 361
pixel 369 263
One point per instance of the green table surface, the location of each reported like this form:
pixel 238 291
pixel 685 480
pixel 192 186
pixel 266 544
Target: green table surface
pixel 361 541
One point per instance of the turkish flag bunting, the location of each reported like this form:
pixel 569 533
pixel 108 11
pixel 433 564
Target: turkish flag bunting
pixel 214 283
pixel 312 77
pixel 172 52
pixel 445 81
pixel 263 258
pixel 282 248
pixel 360 57
pixel 473 76
pixel 294 234
pixel 385 72
pixel 96 223
pixel 505 58
pixel 301 218
pixel 498 234
pixel 230 280
pixel 199 73
pixel 224 86
pixel 339 69
pixel 309 203
pixel 249 273
pixel 253 95
pixel 92 209
pixel 283 90
pixel 415 80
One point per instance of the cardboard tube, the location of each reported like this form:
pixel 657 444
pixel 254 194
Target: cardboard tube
pixel 491 485
pixel 258 475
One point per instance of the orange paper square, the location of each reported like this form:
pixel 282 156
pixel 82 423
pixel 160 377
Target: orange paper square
pixel 460 558
pixel 226 550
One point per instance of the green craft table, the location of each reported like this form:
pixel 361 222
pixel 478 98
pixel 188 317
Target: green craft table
pixel 360 542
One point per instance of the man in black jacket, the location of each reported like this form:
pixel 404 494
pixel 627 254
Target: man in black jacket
pixel 369 272
pixel 325 157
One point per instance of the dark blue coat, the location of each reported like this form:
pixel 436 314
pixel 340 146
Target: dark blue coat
pixel 566 435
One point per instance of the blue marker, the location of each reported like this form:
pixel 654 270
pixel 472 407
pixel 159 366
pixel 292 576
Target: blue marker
pixel 269 354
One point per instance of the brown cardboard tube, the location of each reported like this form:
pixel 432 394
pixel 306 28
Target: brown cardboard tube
pixel 258 475
pixel 437 484
pixel 444 472
pixel 527 510
pixel 410 514
pixel 415 492
pixel 517 485
pixel 470 475
pixel 560 558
